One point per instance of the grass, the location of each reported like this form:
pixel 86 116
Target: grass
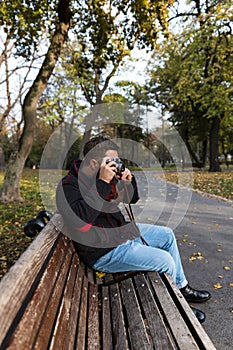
pixel 14 215
pixel 219 184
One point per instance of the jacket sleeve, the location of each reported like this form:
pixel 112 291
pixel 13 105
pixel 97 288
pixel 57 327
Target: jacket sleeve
pixel 130 191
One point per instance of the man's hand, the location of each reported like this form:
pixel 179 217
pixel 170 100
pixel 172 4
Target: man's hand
pixel 107 171
pixel 126 175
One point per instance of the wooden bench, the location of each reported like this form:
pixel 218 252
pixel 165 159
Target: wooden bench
pixel 50 300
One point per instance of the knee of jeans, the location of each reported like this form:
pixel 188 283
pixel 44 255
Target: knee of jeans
pixel 171 268
pixel 170 234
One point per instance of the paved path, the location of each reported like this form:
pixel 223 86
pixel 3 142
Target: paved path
pixel 204 230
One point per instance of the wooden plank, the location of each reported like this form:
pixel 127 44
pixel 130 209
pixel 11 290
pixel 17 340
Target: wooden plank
pixel 82 322
pixel 90 275
pixel 93 342
pixel 16 285
pixel 119 334
pixel 48 321
pixel 106 330
pixel 194 325
pixel 59 334
pixel 26 331
pixel 138 335
pixel 155 323
pixel 173 318
pixel 70 338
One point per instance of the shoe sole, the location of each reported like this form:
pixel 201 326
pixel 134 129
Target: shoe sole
pixel 197 301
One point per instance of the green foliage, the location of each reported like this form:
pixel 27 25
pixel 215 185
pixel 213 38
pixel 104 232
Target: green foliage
pixel 106 32
pixel 25 22
pixel 190 76
pixel 41 136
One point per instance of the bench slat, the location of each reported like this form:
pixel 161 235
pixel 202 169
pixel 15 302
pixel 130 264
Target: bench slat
pixel 136 327
pixel 160 337
pixel 119 335
pixel 178 327
pixel 26 331
pixel 60 329
pixel 70 340
pixel 81 330
pixel 21 277
pixel 197 329
pixel 93 318
pixel 106 320
pixel 49 318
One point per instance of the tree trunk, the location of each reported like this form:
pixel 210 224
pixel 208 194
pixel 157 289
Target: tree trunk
pixel 204 151
pixel 214 134
pixel 11 185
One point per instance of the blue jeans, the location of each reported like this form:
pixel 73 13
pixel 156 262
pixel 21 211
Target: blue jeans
pixel 161 255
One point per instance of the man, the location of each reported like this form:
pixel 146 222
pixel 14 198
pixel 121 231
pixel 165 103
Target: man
pixel 88 199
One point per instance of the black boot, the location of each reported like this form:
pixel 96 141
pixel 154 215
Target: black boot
pixel 195 296
pixel 200 315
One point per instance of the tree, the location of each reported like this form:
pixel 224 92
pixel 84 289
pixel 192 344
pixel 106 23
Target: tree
pixel 107 32
pixel 192 78
pixel 11 186
pixel 97 34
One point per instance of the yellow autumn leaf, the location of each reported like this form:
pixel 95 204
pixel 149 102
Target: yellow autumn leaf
pixel 217 286
pixel 220 276
pixel 199 254
pixel 227 268
pixel 100 274
pixel 231 284
pixel 192 258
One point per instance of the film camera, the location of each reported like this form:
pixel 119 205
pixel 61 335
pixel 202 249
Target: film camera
pixel 120 166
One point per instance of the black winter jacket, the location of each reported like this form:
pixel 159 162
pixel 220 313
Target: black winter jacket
pixel 89 207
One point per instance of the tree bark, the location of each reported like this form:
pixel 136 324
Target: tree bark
pixel 11 185
pixel 214 135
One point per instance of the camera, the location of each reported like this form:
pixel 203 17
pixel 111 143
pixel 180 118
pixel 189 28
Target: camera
pixel 120 166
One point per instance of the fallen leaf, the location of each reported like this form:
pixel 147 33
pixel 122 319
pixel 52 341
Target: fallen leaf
pixel 227 268
pixel 220 276
pixel 217 286
pixel 231 284
pixel 100 274
pixel 192 258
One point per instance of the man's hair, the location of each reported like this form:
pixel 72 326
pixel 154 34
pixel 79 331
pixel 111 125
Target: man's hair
pixel 97 146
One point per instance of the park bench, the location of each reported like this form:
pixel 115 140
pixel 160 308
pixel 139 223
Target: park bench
pixel 50 300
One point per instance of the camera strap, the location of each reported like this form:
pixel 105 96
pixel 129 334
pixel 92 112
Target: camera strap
pixel 129 211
